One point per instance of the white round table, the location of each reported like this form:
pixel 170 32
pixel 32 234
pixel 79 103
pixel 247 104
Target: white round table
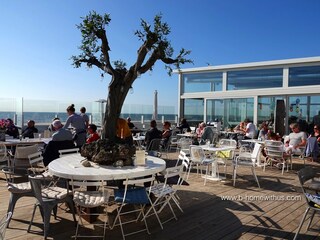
pixel 69 167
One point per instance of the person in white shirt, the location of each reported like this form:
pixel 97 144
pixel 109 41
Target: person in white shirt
pixel 250 131
pixel 296 140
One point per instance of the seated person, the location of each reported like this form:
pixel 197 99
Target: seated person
pixel 124 134
pixel 61 139
pixel 50 127
pixel 200 129
pixel 130 124
pixel 240 128
pixel 263 133
pixel 250 129
pixel 207 134
pixel 166 133
pixel 316 133
pixel 93 135
pixel 60 133
pixel 295 140
pixel 12 130
pixel 152 133
pixel 30 130
pixel 313 144
pixel 184 125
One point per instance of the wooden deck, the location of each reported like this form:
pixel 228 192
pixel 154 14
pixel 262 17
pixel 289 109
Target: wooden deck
pixel 264 213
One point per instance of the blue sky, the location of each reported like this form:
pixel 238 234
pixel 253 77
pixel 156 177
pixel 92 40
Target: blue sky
pixel 39 37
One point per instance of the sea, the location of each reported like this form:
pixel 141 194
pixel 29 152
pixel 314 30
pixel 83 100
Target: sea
pixel 43 119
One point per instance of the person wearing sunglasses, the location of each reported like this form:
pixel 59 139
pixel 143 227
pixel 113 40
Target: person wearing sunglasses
pixel 316 133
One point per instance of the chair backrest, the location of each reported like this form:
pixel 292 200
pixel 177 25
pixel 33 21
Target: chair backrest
pixel 184 143
pixel 274 149
pixel 68 151
pixel 36 186
pixel 36 162
pixel 228 143
pixel 154 145
pixel 22 152
pixel 227 154
pixel 172 172
pixel 136 183
pixel 181 157
pixel 197 154
pixel 255 155
pixel 185 160
pixel 99 185
pixel 304 175
pixel 3 224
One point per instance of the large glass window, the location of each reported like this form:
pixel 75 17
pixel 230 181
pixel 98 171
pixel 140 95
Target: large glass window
pixel 215 110
pixel 202 82
pixel 193 110
pixel 230 111
pixel 303 76
pixel 314 106
pixel 266 106
pixel 237 110
pixel 254 79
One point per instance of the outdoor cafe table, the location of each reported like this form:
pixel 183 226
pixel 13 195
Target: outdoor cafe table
pixel 69 167
pixel 139 140
pixel 214 150
pixel 188 135
pixel 253 141
pixel 15 142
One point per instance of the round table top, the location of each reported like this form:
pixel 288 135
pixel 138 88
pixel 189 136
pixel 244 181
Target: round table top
pixel 14 141
pixel 69 167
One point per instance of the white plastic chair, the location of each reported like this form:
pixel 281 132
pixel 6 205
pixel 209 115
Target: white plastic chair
pixel 83 199
pixel 244 160
pixel 68 151
pixel 275 153
pixel 198 158
pixel 222 157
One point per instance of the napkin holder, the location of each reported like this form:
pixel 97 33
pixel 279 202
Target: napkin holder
pixel 140 158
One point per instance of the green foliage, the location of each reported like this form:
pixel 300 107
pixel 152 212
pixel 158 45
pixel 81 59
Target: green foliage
pixel 92 27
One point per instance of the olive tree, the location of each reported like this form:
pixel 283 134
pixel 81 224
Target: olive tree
pixel 94 51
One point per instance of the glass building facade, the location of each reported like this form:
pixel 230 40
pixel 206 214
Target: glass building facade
pixel 232 93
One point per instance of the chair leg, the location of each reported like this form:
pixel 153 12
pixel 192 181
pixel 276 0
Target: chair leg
pixel 206 174
pixel 301 223
pixel 234 174
pixel 32 217
pixel 46 221
pixel 12 203
pixel 255 176
pixel 311 218
pixel 72 207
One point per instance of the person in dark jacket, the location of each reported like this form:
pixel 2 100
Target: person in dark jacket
pixel 152 133
pixel 30 130
pixel 12 130
pixel 184 125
